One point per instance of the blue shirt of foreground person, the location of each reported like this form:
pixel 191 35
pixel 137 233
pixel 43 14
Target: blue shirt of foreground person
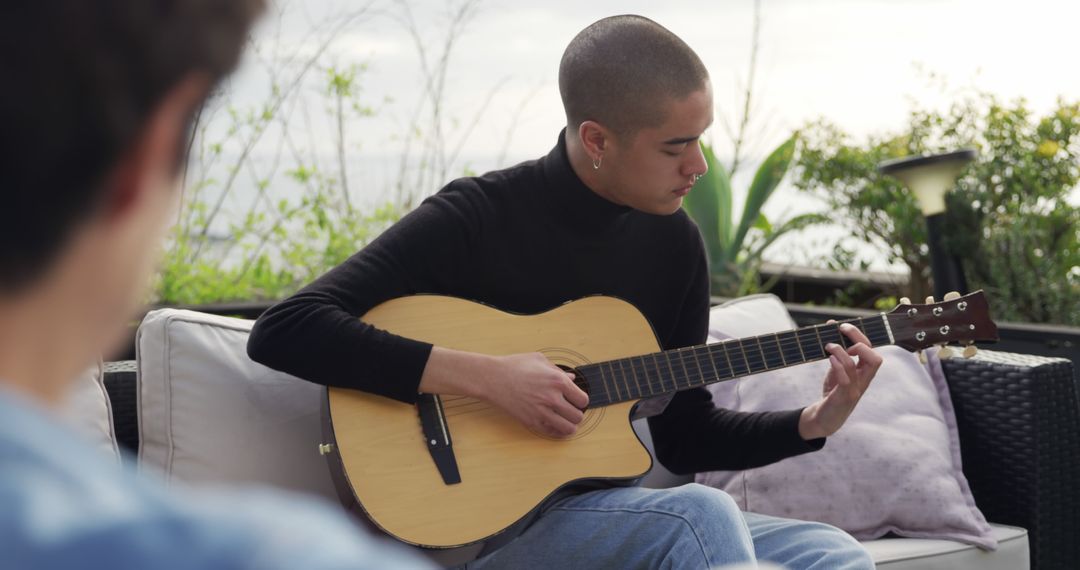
pixel 97 101
pixel 65 505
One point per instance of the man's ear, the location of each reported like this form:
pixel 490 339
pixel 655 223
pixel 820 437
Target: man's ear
pixel 156 152
pixel 595 138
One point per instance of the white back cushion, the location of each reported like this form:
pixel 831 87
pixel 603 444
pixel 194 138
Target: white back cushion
pixel 747 316
pixel 88 411
pixel 208 413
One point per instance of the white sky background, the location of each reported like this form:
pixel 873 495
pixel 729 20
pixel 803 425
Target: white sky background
pixel 852 62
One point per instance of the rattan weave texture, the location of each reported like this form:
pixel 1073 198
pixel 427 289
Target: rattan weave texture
pixel 1019 422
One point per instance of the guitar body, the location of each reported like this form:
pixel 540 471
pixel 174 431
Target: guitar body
pixel 506 470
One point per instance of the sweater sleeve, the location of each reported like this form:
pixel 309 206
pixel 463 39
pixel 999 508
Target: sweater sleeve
pixel 317 334
pixel 693 435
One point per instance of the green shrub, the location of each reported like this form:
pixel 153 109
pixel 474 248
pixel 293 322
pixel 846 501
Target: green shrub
pixel 1010 219
pixel 735 243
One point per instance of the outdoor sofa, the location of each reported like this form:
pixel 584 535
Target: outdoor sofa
pixel 194 409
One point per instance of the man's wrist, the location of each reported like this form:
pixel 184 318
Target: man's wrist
pixel 809 427
pixel 451 371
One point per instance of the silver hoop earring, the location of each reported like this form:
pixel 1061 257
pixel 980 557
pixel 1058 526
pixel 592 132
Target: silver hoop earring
pixel 596 163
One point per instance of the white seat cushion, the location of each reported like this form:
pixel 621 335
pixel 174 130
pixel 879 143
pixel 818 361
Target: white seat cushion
pixel 927 554
pixel 209 414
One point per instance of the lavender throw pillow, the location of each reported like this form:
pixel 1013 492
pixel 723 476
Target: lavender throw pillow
pixel 893 467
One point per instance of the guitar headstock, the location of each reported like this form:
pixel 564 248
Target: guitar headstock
pixel 957 319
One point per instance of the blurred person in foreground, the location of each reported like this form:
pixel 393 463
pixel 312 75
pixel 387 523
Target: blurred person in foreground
pixel 97 103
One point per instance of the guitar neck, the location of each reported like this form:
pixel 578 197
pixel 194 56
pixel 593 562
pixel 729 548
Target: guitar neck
pixel 660 373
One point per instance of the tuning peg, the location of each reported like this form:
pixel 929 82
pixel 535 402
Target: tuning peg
pixel 970 351
pixel 905 301
pixel 945 353
pixel 952 295
pixel 922 357
pixel 930 300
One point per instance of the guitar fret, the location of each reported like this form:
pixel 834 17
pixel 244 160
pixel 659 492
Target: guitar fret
pixel 660 374
pixel 615 381
pixel 834 331
pixel 674 378
pixel 820 342
pixel 844 341
pixel 772 360
pixel 881 336
pixel 626 383
pixel 712 361
pixel 779 349
pixel 812 345
pixel 639 374
pixel 744 357
pixel 755 360
pixel 705 378
pixel 636 375
pixel 626 377
pixel 653 376
pixel 761 350
pixel 648 379
pixel 738 372
pixel 727 357
pixel 603 381
pixel 682 362
pixel 789 348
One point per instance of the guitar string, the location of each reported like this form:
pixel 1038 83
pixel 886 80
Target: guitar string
pixel 770 361
pixel 767 354
pixel 460 409
pixel 456 414
pixel 650 388
pixel 466 406
pixel 461 405
pixel 772 354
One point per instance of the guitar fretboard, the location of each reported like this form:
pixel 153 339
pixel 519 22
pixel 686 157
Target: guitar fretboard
pixel 649 375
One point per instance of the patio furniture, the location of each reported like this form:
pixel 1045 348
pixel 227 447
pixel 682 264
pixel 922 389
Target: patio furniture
pixel 1018 418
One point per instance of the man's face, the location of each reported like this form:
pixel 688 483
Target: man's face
pixel 654 170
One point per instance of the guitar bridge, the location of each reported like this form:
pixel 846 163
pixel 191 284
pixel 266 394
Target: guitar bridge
pixel 437 435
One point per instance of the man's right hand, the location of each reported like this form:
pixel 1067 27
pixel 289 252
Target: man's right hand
pixel 527 386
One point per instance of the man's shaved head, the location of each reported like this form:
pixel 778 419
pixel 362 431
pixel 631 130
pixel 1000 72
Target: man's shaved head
pixel 620 70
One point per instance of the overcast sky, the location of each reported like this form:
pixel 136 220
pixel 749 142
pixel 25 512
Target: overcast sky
pixel 857 63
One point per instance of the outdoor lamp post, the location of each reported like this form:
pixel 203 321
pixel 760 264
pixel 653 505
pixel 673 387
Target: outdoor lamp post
pixel 929 177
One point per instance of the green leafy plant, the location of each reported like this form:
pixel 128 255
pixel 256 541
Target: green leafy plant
pixel 270 201
pixel 1012 216
pixel 735 242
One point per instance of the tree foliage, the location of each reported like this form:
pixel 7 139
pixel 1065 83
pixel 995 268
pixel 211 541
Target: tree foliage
pixel 1013 216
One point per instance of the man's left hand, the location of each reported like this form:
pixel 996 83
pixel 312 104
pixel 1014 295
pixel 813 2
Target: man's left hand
pixel 850 373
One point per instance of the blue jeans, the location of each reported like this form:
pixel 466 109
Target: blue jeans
pixel 692 526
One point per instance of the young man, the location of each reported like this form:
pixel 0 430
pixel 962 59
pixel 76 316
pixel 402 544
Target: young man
pixel 97 101
pixel 600 214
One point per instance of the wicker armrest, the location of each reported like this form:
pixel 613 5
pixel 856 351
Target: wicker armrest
pixel 1019 422
pixel 120 384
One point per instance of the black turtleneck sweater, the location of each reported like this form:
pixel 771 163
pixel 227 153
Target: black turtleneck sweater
pixel 524 240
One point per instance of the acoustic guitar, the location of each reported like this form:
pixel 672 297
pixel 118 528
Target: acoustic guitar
pixel 451 470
